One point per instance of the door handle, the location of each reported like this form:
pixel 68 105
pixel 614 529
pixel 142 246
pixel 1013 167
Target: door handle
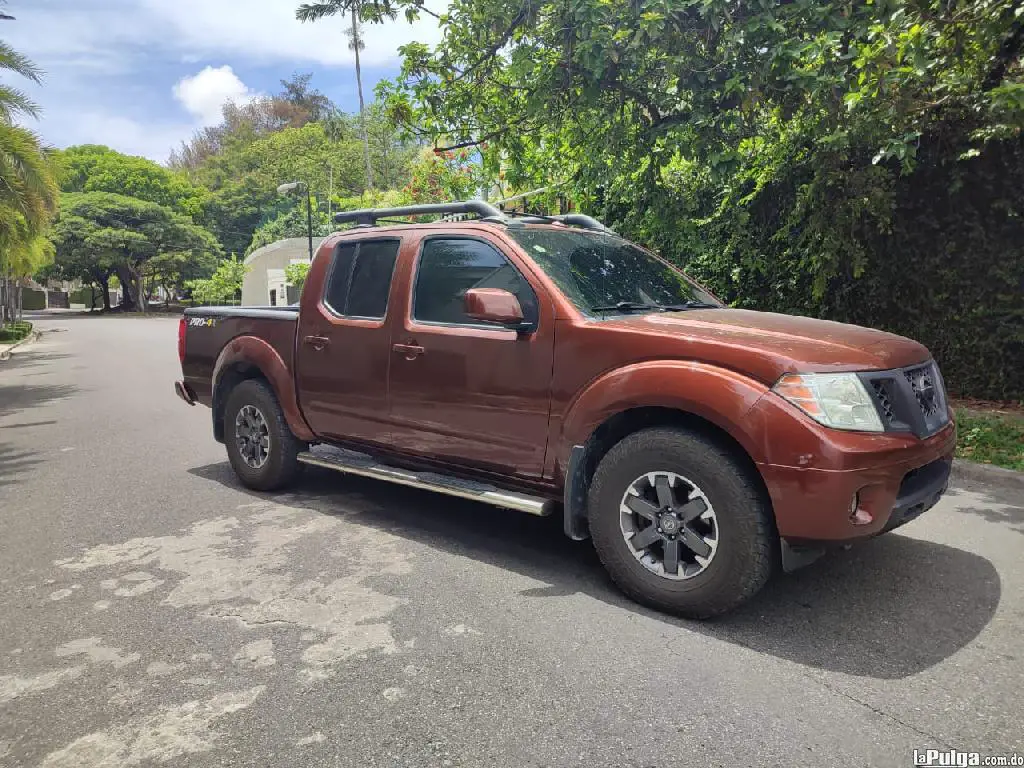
pixel 317 342
pixel 411 351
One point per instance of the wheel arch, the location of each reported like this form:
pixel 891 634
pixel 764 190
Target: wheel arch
pixel 694 396
pixel 249 357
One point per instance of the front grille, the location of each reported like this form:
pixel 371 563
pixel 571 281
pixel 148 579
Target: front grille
pixel 910 399
pixel 884 401
pixel 922 382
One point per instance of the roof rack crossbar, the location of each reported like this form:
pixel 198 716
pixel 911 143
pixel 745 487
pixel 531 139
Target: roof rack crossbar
pixel 572 219
pixel 368 216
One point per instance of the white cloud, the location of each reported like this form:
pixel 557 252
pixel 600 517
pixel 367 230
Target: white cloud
pixel 152 140
pixel 205 93
pixel 94 52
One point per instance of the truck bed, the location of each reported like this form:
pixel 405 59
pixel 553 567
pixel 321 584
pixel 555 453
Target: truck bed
pixel 208 330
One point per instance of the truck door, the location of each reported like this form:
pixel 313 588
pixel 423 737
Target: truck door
pixel 344 346
pixel 461 390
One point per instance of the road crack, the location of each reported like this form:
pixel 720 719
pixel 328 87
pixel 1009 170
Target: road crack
pixel 881 712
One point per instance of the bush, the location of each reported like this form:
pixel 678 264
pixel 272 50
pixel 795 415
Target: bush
pixel 936 254
pixel 15 331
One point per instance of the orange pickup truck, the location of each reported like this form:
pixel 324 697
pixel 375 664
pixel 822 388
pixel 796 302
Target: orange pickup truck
pixel 547 365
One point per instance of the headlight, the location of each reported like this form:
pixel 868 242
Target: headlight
pixel 837 400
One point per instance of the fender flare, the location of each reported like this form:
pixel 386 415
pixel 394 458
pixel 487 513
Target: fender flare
pixel 718 395
pixel 256 352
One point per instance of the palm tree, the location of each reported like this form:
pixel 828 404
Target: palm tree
pixel 356 44
pixel 28 188
pixel 320 10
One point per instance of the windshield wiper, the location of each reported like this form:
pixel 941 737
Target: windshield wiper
pixel 627 306
pixel 638 306
pixel 688 305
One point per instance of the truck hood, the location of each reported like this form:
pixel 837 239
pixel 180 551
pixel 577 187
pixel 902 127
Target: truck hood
pixel 767 345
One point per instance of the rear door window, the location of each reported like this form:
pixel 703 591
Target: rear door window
pixel 360 279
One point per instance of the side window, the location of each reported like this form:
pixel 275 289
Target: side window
pixel 449 268
pixel 360 278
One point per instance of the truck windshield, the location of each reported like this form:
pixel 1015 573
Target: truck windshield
pixel 602 273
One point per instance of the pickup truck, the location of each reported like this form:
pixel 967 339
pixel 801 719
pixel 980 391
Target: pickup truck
pixel 547 365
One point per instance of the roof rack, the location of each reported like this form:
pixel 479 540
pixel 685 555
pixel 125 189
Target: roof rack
pixel 572 219
pixel 368 217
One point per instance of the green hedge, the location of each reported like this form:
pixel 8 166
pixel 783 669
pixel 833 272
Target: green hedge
pixel 85 295
pixel 936 255
pixel 32 299
pixel 15 331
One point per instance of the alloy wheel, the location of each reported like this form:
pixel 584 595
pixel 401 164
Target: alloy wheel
pixel 252 434
pixel 669 525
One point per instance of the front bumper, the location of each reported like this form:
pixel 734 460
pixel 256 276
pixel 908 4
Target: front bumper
pixel 184 391
pixel 830 487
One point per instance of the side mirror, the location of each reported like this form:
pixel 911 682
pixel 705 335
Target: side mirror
pixel 495 305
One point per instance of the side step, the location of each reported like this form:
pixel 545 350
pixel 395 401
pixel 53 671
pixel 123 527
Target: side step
pixel 354 463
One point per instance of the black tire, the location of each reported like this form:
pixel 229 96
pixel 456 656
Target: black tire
pixel 747 543
pixel 281 466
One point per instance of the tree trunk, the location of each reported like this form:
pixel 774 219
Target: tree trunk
pixel 19 300
pixel 105 285
pixel 129 297
pixel 356 39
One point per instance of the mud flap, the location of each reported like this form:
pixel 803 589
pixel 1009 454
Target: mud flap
pixel 574 496
pixel 795 558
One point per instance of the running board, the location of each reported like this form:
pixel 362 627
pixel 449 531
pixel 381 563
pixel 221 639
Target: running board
pixel 354 463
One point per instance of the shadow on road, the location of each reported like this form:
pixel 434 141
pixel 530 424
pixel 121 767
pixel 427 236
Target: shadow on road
pixel 14 461
pixel 24 360
pixel 889 608
pixel 1004 505
pixel 18 397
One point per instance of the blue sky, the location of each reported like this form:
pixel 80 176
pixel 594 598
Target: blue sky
pixel 142 75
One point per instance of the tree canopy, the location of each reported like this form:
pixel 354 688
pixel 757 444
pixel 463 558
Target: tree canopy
pixel 789 153
pixel 28 189
pixel 93 168
pixel 102 233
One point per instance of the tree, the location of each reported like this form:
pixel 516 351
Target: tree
pixel 296 274
pixel 93 168
pixel 28 191
pixel 224 286
pixel 301 104
pixel 356 44
pixel 788 152
pixel 295 106
pixel 316 11
pixel 99 234
pixel 291 222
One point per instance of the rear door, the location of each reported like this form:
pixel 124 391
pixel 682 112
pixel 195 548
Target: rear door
pixel 344 345
pixel 471 393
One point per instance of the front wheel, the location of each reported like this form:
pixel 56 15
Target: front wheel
pixel 261 448
pixel 680 524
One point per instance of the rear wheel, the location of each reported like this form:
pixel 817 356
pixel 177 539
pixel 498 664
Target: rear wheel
pixel 261 448
pixel 679 523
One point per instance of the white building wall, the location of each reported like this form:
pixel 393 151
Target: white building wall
pixel 266 270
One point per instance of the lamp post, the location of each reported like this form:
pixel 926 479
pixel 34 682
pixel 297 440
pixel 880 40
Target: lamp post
pixel 287 189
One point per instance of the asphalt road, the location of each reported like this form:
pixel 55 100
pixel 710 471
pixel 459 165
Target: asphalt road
pixel 154 612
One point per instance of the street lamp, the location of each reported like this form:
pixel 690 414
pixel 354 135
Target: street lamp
pixel 294 186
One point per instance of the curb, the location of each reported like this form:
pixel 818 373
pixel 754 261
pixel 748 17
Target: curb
pixel 970 472
pixel 6 353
